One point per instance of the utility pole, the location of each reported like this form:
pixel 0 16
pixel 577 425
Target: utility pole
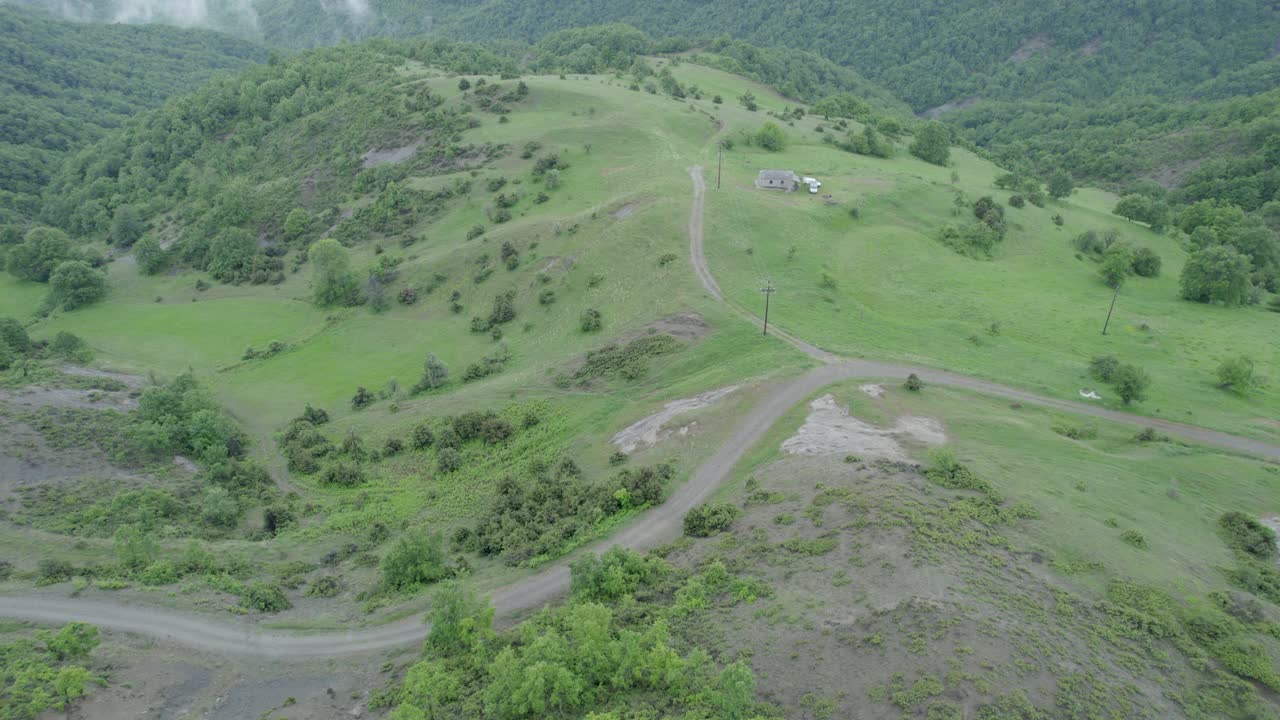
pixel 768 290
pixel 719 162
pixel 1113 307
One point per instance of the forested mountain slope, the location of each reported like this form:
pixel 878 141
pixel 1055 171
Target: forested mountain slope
pixel 62 84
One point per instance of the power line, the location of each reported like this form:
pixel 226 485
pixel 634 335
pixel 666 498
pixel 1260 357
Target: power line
pixel 768 290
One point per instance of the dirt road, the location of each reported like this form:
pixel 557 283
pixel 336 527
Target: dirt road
pixel 656 526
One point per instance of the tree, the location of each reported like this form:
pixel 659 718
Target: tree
pixel 1146 263
pixel 418 559
pixel 709 518
pixel 74 641
pixel 74 284
pixel 591 320
pixel 126 226
pixel 15 335
pixel 297 224
pixel 231 254
pixel 428 687
pixel 932 144
pixel 39 253
pixel 458 620
pixel 1236 374
pixel 69 684
pixel 1144 209
pixel 770 137
pixel 134 549
pixel 464 84
pixel 434 374
pixel 333 282
pixel 1131 383
pixel 1060 185
pixel 1117 263
pixel 1216 274
pixel 149 256
pixel 748 101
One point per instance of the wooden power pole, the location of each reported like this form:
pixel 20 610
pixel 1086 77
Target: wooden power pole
pixel 719 163
pixel 1112 308
pixel 768 290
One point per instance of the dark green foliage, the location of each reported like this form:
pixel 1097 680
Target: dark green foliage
pixel 616 573
pixel 264 598
pixel 591 320
pixel 490 364
pixel 13 334
pixel 41 251
pixel 423 437
pixel 448 460
pixel 914 383
pixel 65 84
pixel 1131 383
pixel 1248 535
pixel 1236 374
pixel 151 258
pixel 75 284
pixel 314 415
pixel 417 559
pixel 932 144
pixel 1144 209
pixel 362 399
pixel 458 620
pixel 182 417
pixel 1216 274
pixel 629 362
pixel 710 518
pixel 1134 538
pixel 946 470
pixel 434 375
pixel 1146 263
pixel 770 137
pixel 1104 367
pixel 540 517
pixel 345 473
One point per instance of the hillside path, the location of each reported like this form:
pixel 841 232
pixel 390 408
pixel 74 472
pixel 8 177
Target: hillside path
pixel 660 524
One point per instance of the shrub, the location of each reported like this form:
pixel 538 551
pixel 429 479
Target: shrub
pixel 423 437
pixel 75 284
pixel 475 232
pixel 448 460
pixel 313 415
pixel 710 518
pixel 51 571
pixel 1104 367
pixel 418 559
pixel 434 375
pixel 1146 263
pixel 1248 535
pixel 1058 219
pixel 1017 201
pixel 264 598
pixel 362 399
pixel 393 446
pixel 547 297
pixel 70 347
pixel 914 383
pixel 946 470
pixel 1134 538
pixel 1131 383
pixel 408 296
pixel 591 320
pixel 343 472
pixel 325 586
pixel 1236 374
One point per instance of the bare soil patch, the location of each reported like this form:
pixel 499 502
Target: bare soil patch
pixel 1092 47
pixel 958 104
pixel 831 430
pixel 653 429
pixel 612 170
pixel 132 381
pixel 625 211
pixel 37 396
pixel 390 155
pixel 1037 45
pixel 687 326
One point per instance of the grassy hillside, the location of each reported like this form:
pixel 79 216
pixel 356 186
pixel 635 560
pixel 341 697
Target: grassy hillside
pixel 64 84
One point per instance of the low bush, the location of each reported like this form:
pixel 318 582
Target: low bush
pixel 591 320
pixel 710 518
pixel 1134 538
pixel 914 383
pixel 417 559
pixel 264 598
pixel 1248 535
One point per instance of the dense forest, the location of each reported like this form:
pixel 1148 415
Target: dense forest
pixel 62 85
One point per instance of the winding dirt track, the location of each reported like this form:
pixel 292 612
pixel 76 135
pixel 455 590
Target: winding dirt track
pixel 658 525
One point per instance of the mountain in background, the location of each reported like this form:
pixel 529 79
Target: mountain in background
pixel 64 84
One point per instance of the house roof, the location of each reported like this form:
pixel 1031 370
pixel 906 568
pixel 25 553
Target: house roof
pixel 778 175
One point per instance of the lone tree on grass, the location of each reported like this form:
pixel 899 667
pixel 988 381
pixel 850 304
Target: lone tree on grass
pixel 1060 185
pixel 1216 274
pixel 1131 383
pixel 932 144
pixel 1236 374
pixel 334 282
pixel 434 375
pixel 74 284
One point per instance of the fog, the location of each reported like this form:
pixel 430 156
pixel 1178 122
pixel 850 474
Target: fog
pixel 238 16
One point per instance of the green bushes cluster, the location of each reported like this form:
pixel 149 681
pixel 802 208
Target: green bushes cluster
pixel 554 508
pixel 628 362
pixel 710 518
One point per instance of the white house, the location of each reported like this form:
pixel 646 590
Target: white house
pixel 777 180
